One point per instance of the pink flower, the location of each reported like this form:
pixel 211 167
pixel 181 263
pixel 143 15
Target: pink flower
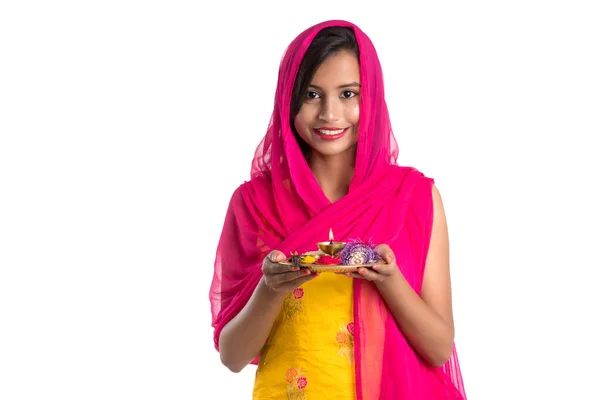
pixel 350 328
pixel 298 293
pixel 302 382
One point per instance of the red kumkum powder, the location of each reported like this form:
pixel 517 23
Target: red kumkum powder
pixel 328 260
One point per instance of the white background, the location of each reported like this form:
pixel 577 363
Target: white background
pixel 125 126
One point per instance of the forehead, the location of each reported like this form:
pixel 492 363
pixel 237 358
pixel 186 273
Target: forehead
pixel 340 68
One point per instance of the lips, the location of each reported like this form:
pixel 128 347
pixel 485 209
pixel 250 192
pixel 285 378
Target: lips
pixel 330 133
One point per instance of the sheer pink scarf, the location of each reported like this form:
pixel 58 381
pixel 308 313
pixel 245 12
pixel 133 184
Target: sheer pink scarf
pixel 283 207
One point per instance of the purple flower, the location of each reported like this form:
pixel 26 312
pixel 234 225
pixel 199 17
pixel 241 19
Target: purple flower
pixel 357 252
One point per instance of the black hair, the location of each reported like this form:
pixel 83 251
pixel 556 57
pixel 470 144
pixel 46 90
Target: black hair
pixel 326 43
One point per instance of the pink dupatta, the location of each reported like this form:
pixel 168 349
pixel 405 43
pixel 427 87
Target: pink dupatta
pixel 283 207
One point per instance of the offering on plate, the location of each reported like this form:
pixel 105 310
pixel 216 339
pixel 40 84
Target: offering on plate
pixel 356 252
pixel 328 260
pixel 335 256
pixel 308 259
pixel 295 259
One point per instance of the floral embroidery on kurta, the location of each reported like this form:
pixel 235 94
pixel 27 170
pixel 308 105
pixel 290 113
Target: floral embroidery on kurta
pixel 296 383
pixel 293 303
pixel 345 341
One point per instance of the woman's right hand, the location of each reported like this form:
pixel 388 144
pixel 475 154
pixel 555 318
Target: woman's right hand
pixel 282 278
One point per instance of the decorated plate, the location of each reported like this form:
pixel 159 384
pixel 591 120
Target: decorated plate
pixel 335 267
pixel 311 259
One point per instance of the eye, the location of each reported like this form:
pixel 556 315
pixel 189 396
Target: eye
pixel 348 94
pixel 312 95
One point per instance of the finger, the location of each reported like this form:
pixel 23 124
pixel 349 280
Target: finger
pixel 274 267
pixel 352 275
pixel 356 275
pixel 369 275
pixel 386 253
pixel 384 269
pixel 276 256
pixel 285 277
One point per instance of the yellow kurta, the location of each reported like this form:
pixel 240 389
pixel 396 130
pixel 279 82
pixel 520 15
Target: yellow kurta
pixel 310 353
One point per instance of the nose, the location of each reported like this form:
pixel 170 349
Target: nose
pixel 330 110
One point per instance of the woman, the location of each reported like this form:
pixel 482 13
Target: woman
pixel 328 163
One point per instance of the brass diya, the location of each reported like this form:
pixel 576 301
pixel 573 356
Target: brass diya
pixel 330 247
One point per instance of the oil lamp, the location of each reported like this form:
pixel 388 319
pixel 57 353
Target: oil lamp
pixel 331 247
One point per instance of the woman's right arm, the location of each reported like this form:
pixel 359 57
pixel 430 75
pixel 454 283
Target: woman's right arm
pixel 243 337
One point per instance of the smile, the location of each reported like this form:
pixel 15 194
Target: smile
pixel 330 134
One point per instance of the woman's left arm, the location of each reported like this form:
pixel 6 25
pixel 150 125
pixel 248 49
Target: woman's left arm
pixel 426 320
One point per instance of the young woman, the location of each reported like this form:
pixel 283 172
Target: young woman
pixel 328 163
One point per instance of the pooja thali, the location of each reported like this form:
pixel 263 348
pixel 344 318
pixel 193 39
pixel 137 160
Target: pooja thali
pixel 318 261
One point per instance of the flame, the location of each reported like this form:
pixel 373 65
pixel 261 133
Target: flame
pixel 330 235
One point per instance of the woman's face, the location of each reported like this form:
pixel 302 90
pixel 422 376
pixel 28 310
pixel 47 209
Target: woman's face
pixel 329 114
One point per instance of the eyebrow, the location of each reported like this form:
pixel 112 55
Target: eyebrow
pixel 347 85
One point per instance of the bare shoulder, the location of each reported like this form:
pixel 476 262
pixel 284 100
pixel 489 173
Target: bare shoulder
pixel 438 204
pixel 436 192
pixel 439 229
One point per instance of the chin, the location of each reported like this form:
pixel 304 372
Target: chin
pixel 334 150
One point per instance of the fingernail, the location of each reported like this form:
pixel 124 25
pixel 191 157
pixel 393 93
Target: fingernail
pixel 307 272
pixel 375 267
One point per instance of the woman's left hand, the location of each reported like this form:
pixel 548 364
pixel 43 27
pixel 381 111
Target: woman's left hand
pixel 379 273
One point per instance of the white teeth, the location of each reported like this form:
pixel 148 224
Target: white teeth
pixel 328 132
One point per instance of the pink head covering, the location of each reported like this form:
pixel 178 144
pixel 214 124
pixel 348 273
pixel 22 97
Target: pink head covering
pixel 283 207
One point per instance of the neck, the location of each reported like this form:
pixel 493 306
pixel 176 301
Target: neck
pixel 334 173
